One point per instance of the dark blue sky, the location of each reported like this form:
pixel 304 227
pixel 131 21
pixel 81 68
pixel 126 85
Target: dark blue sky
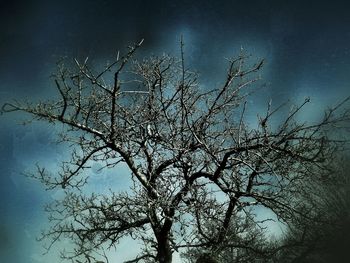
pixel 306 45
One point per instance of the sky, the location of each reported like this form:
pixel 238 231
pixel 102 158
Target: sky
pixel 305 45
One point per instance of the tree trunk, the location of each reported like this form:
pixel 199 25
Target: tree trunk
pixel 165 254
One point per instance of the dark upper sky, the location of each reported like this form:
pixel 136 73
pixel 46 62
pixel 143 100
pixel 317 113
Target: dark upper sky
pixel 301 40
pixel 305 44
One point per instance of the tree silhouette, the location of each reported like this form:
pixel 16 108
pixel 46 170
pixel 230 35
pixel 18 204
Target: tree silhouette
pixel 195 162
pixel 324 235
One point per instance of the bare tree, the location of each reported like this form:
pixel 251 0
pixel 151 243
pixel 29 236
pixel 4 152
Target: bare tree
pixel 192 156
